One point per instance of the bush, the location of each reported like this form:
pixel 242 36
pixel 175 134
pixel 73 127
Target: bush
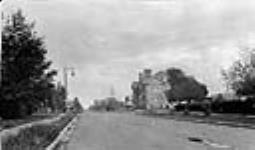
pixel 192 107
pixel 36 137
pixel 234 106
pixel 242 107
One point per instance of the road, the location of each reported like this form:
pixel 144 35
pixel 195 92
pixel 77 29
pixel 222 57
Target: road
pixel 127 131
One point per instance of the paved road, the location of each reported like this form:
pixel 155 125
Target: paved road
pixel 126 131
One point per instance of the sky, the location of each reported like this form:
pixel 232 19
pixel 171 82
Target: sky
pixel 109 41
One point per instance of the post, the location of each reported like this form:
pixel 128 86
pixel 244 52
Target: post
pixel 65 78
pixel 1 65
pixel 1 142
pixel 1 71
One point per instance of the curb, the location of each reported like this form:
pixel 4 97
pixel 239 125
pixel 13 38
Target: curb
pixel 64 135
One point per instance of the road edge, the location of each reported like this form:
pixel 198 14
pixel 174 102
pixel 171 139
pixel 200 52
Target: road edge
pixel 64 134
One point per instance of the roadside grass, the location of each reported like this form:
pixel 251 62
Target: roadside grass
pixel 5 124
pixel 36 137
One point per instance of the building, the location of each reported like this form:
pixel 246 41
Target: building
pixel 149 90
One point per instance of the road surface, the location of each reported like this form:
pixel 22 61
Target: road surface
pixel 127 131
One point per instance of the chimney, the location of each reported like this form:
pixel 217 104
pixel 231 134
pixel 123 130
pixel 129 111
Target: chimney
pixel 147 72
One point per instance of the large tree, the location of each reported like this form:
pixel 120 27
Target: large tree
pixel 26 78
pixel 240 77
pixel 184 87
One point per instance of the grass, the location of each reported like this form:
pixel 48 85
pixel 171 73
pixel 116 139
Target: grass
pixel 5 124
pixel 36 137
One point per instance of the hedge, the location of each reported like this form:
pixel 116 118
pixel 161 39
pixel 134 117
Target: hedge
pixel 241 107
pixel 235 106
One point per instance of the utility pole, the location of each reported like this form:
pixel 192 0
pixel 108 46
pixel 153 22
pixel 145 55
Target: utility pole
pixel 1 73
pixel 1 63
pixel 65 77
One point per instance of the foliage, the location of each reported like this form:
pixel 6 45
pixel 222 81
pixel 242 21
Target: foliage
pixel 77 106
pixel 237 106
pixel 56 101
pixel 184 87
pixel 26 80
pixel 240 77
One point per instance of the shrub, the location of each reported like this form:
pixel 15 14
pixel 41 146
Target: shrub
pixel 242 107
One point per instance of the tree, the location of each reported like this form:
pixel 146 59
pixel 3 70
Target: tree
pixel 77 105
pixel 26 79
pixel 56 99
pixel 184 87
pixel 240 77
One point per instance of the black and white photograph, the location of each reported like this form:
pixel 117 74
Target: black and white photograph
pixel 127 75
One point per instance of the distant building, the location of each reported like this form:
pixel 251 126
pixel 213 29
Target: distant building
pixel 149 90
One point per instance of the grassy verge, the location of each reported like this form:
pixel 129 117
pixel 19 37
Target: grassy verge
pixel 36 137
pixel 5 124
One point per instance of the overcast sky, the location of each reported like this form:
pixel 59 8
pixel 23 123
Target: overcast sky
pixel 110 41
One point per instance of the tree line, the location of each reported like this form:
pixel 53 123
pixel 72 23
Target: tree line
pixel 240 76
pixel 27 82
